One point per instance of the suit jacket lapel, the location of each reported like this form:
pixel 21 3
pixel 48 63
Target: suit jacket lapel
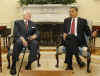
pixel 29 25
pixel 78 25
pixel 24 27
pixel 69 24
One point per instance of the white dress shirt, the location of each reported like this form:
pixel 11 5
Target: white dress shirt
pixel 25 21
pixel 76 20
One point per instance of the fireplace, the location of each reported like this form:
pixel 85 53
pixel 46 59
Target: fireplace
pixel 49 18
pixel 50 33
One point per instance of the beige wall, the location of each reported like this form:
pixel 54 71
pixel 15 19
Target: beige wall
pixel 9 10
pixel 90 9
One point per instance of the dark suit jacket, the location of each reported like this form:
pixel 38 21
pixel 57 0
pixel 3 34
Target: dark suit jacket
pixel 82 28
pixel 20 29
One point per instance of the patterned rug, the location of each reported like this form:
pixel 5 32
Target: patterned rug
pixel 48 62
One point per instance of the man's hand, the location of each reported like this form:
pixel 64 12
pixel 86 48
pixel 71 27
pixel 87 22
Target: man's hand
pixel 24 41
pixel 94 34
pixel 64 36
pixel 33 37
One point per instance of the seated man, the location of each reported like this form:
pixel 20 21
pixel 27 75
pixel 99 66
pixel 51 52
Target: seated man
pixel 76 26
pixel 25 35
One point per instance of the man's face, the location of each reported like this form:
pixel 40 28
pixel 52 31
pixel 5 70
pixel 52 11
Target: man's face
pixel 27 16
pixel 73 13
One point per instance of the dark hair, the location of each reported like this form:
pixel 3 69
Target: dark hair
pixel 74 8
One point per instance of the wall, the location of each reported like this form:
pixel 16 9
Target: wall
pixel 90 9
pixel 9 10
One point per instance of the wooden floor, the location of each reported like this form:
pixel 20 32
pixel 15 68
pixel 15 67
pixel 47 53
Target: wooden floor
pixel 46 73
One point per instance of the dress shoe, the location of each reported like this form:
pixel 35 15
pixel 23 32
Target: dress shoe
pixel 28 67
pixel 13 71
pixel 69 68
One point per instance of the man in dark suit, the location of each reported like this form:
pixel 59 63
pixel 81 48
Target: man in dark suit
pixel 25 35
pixel 78 27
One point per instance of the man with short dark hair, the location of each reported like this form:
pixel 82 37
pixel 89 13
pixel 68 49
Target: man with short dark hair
pixel 78 27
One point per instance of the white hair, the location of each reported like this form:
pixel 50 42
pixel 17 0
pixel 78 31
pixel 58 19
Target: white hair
pixel 26 11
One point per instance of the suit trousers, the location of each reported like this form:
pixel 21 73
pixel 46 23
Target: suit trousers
pixel 33 46
pixel 68 58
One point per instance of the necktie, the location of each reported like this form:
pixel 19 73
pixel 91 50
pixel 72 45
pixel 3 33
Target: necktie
pixel 73 27
pixel 26 25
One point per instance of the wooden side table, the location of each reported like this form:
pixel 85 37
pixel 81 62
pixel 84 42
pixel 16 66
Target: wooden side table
pixel 4 32
pixel 95 28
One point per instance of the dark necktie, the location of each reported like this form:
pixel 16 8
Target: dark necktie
pixel 26 26
pixel 73 27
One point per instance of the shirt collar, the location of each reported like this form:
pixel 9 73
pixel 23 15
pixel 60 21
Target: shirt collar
pixel 25 20
pixel 75 18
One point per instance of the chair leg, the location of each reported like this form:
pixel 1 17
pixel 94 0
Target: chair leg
pixel 8 59
pixel 57 59
pixel 38 60
pixel 88 64
pixel 88 60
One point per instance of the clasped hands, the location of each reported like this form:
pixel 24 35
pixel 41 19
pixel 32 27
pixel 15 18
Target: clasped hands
pixel 25 43
pixel 94 34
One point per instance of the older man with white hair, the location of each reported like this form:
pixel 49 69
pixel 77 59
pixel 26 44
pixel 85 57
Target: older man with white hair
pixel 25 35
